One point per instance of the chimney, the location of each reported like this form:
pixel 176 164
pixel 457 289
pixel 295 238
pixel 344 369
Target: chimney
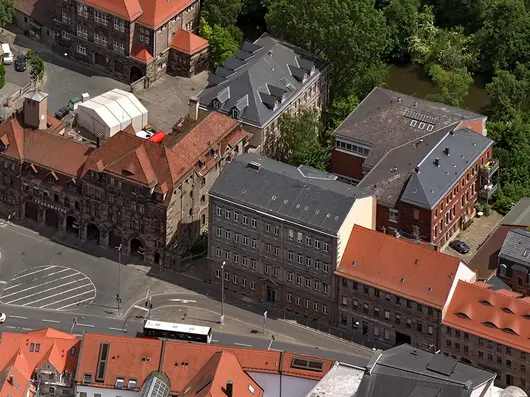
pixel 447 151
pixel 437 162
pixel 36 109
pixel 11 379
pixel 193 108
pixel 229 388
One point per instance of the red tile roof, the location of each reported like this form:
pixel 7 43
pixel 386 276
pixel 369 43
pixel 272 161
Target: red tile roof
pixel 140 53
pixel 188 42
pixel 400 267
pixel 129 357
pixel 125 9
pixel 158 12
pixel 499 315
pixel 21 385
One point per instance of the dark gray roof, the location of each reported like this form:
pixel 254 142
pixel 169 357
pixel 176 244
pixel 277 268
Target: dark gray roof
pixel 516 246
pixel 385 120
pixel 404 371
pixel 497 284
pixel 520 214
pixel 266 66
pixel 301 195
pixel 440 170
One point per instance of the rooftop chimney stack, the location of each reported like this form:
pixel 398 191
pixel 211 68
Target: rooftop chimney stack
pixel 229 388
pixel 36 109
pixel 193 108
pixel 437 162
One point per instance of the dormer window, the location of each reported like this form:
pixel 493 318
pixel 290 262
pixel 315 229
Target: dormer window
pixel 120 381
pixel 132 384
pixel 216 104
pixel 235 114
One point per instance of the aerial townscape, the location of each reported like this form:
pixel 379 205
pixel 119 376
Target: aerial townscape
pixel 264 198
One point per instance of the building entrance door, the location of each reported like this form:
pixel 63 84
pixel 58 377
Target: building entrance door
pixel 271 294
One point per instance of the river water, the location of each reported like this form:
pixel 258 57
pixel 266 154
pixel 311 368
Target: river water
pixel 412 80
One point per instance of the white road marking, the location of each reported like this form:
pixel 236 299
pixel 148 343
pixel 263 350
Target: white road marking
pixel 27 329
pixel 242 344
pixel 10 326
pixel 78 302
pixel 141 308
pixel 51 296
pixel 13 286
pixel 40 285
pixel 215 341
pixel 46 290
pixel 3 282
pixel 23 318
pixel 65 299
pixel 182 301
pixel 29 274
pixel 51 321
pixel 117 329
pixel 86 325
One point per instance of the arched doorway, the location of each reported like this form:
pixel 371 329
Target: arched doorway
pixel 136 74
pixel 72 226
pixel 51 218
pixel 92 233
pixel 114 239
pixel 137 248
pixel 32 211
pixel 157 258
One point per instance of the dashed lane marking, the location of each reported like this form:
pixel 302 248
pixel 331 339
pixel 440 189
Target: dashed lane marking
pixel 21 317
pixel 86 325
pixel 242 344
pixel 141 308
pixel 51 321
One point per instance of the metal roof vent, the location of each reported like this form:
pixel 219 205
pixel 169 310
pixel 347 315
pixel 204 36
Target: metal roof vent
pixel 254 165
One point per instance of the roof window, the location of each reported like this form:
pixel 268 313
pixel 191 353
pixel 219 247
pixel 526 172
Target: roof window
pixel 102 363
pixel 132 384
pixel 310 365
pixel 489 324
pixel 120 380
pixel 510 331
pixel 507 310
pixel 486 303
pixel 87 378
pixel 463 315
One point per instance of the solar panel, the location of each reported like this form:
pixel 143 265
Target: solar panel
pixel 420 117
pixel 442 365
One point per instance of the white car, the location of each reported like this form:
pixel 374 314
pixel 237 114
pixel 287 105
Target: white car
pixel 7 55
pixel 2 317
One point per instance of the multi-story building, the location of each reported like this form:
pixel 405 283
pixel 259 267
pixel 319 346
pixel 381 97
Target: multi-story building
pixel 150 197
pixel 264 80
pixel 281 232
pixel 35 19
pixel 428 163
pixel 488 328
pixel 130 39
pixel 393 291
pixel 41 362
pixel 513 266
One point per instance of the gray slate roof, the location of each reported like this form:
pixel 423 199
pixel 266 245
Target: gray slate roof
pixel 258 77
pixel 516 246
pixel 301 195
pixel 520 214
pixel 428 186
pixel 383 121
pixel 404 371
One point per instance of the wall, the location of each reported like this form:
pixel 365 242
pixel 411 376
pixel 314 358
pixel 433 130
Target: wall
pixel 23 21
pixel 463 273
pixel 347 164
pixel 290 385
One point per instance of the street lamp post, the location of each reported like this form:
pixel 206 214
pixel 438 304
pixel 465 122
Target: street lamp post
pixel 222 291
pixel 118 298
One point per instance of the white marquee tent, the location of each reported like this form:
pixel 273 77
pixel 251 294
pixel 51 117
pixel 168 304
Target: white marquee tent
pixel 111 112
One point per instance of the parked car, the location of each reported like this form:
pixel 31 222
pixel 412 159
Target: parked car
pixel 3 317
pixel 459 246
pixel 7 55
pixel 20 63
pixel 62 112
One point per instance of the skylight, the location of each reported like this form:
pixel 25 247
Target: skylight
pixel 510 331
pixel 507 310
pixel 489 324
pixel 486 303
pixel 463 315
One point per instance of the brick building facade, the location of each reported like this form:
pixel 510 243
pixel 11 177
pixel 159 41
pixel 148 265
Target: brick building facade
pixel 428 170
pixel 150 197
pixel 278 243
pixel 128 39
pixel 513 263
pixel 392 291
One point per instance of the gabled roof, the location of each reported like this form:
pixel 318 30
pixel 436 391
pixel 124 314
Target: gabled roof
pixel 516 247
pixel 157 12
pixel 300 195
pixel 211 379
pixel 125 9
pixel 12 139
pixel 405 371
pixel 399 267
pixel 260 67
pixel 20 386
pixel 501 316
pixel 386 119
pixel 188 42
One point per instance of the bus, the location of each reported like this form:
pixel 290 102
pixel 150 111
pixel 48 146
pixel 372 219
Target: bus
pixel 190 333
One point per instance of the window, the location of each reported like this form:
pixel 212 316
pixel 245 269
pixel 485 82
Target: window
pixel 419 307
pixel 376 292
pixel 290 277
pixel 308 261
pixel 119 25
pixel 315 306
pixel 217 273
pixel 317 244
pixel 344 301
pixel 219 209
pixel 236 258
pixel 298 280
pixel 66 35
pixel 308 283
pixel 253 264
pixel 268 227
pixel 365 308
pixel 376 330
pixel 253 243
pixel 244 261
pixel 355 305
pixel 236 237
pixel 276 230
pixel 228 234
pixel 267 248
pixel 65 18
pixel 308 240
pixel 376 312
pixel 245 240
pixel 267 269
pixel 81 49
pixel 144 39
pixel 236 216
pixel 419 326
pixel 254 223
pixel 325 309
pixel 430 330
pixel 227 255
pixel 416 214
pixel 398 319
pixel 299 258
pixel 227 214
pixel 306 303
pixel 297 300
pixel 82 32
pixel 387 315
pixel 97 16
pixel 104 19
pixel 102 363
pixel 252 285
pixel 218 252
pixel 290 255
pixel 409 323
pixel 235 279
pixel 245 220
pixel 366 289
pixel 289 297
pixel 290 234
pixel 316 285
pixel 393 215
pixel 325 267
pixel 244 282
pixel 299 237
pixel 82 11
pixel 480 354
pixel 218 231
pixel 275 272
pixel 387 334
pixel 324 288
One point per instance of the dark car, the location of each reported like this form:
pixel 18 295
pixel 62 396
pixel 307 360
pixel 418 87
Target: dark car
pixel 62 112
pixel 459 246
pixel 20 63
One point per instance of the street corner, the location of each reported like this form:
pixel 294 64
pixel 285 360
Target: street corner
pixel 49 287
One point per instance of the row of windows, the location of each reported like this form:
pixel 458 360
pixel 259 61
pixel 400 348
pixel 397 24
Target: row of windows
pixel 309 262
pixel 236 258
pixel 377 330
pixel 349 147
pixel 307 303
pixel 317 285
pixel 388 297
pixel 236 280
pixel 270 228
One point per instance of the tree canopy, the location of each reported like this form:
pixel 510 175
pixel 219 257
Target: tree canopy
pixel 7 12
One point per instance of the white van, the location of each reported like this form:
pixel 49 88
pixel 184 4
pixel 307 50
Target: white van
pixel 7 55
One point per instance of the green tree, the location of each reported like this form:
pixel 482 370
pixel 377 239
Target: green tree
pixel 7 12
pixel 37 66
pixel 402 21
pixel 340 108
pixel 507 94
pixel 2 75
pixel 221 12
pixel 205 30
pixel 453 85
pixel 299 141
pixel 222 44
pixel 350 34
